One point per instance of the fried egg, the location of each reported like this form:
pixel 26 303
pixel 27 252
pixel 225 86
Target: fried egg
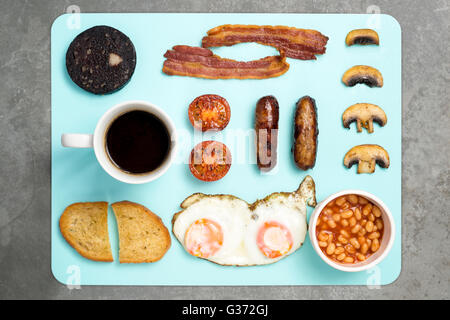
pixel 228 231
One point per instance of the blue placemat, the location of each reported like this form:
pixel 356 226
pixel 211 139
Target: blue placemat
pixel 77 177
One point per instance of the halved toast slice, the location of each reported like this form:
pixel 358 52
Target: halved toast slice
pixel 84 225
pixel 142 234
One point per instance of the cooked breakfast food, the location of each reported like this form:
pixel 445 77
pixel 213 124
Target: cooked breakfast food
pixel 209 112
pixel 305 133
pixel 364 114
pixel 227 230
pixel 362 37
pixel 202 63
pixel 101 60
pixel 210 160
pixel 84 225
pixel 362 74
pixel 295 43
pixel 349 229
pixel 266 130
pixel 366 156
pixel 142 234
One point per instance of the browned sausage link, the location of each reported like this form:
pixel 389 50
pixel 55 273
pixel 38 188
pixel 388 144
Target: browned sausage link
pixel 305 133
pixel 266 128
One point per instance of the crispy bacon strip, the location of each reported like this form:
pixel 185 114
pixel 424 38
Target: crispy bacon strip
pixel 202 63
pixel 295 43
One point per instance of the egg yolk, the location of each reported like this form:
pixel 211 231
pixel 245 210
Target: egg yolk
pixel 274 239
pixel 203 238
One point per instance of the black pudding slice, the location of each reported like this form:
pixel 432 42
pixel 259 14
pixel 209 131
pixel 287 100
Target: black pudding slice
pixel 101 60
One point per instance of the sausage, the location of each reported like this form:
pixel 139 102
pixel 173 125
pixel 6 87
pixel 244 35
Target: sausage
pixel 266 129
pixel 305 133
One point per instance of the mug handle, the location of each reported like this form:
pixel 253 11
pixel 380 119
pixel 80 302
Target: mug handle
pixel 77 140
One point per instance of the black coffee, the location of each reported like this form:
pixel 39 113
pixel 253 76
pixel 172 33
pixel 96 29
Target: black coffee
pixel 137 142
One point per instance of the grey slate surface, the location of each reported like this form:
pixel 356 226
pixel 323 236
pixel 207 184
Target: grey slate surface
pixel 25 150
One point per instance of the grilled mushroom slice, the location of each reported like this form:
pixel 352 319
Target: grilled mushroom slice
pixel 362 37
pixel 364 114
pixel 363 74
pixel 366 156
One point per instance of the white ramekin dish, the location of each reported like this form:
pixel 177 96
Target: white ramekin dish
pixel 386 242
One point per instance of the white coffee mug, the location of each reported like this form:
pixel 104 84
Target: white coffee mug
pixel 97 141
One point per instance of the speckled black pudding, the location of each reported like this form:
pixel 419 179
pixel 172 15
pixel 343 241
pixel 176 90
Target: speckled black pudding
pixel 101 60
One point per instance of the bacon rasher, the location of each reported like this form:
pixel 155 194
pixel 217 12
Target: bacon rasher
pixel 202 63
pixel 295 43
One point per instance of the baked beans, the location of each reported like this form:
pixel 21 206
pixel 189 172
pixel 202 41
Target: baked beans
pixel 349 229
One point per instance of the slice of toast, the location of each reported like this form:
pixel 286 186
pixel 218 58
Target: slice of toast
pixel 84 225
pixel 142 234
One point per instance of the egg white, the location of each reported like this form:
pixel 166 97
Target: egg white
pixel 240 224
pixel 284 210
pixel 230 214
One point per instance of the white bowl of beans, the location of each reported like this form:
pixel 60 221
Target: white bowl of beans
pixel 352 230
